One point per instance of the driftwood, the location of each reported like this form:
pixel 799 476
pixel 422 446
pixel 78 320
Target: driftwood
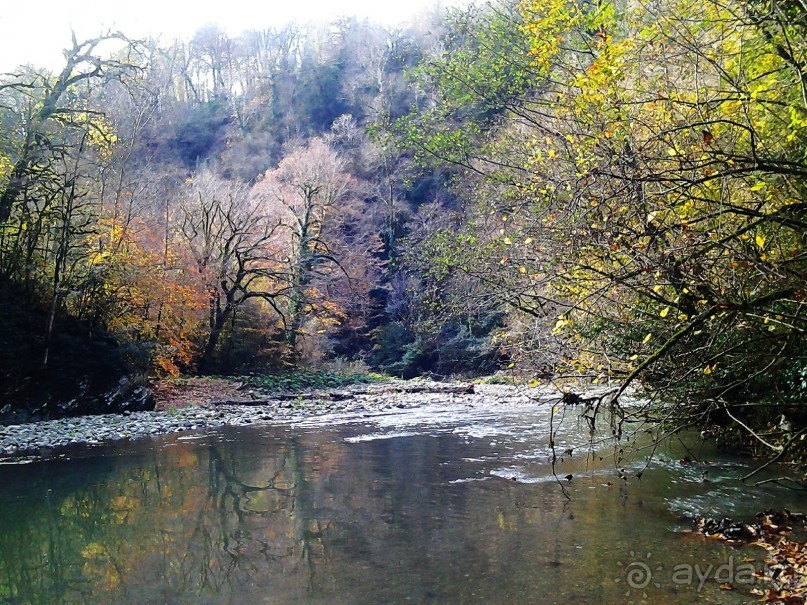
pixel 449 389
pixel 289 397
pixel 244 402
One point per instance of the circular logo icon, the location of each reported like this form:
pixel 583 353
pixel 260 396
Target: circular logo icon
pixel 638 573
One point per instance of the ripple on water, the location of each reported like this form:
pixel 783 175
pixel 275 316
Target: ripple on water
pixel 298 512
pixel 520 475
pixel 377 436
pixel 481 432
pixel 470 480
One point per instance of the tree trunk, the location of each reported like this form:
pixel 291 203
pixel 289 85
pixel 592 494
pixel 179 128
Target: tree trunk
pixel 207 364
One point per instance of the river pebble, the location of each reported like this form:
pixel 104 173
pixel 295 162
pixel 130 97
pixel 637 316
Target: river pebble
pixel 40 438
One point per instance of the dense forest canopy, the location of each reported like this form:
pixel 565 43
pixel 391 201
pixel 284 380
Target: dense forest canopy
pixel 609 192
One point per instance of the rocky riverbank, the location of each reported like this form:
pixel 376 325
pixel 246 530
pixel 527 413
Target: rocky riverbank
pixel 199 406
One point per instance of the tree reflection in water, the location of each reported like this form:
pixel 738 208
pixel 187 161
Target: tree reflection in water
pixel 188 521
pixel 270 515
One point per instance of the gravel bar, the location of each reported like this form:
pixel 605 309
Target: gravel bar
pixel 42 438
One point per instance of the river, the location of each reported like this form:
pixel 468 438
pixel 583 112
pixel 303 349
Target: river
pixel 438 504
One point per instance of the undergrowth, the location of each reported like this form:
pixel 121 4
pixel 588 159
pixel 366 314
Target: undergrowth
pixel 322 379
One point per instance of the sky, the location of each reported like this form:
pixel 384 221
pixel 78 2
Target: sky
pixel 36 31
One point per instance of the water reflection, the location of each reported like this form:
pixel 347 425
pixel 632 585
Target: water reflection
pixel 276 515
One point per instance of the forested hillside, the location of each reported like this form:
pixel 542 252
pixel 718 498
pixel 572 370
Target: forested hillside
pixel 605 192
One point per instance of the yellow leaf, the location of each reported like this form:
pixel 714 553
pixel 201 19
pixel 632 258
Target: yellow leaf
pixel 758 186
pixel 760 240
pixel 707 370
pixel 664 311
pixel 634 357
pixel 647 339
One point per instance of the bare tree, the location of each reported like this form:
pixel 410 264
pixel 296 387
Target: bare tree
pixel 309 195
pixel 234 245
pixel 54 109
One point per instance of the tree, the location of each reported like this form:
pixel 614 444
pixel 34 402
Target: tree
pixel 53 109
pixel 234 245
pixel 686 185
pixel 643 199
pixel 48 202
pixel 325 250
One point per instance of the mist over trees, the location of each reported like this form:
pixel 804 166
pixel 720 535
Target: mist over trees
pixel 609 193
pixel 222 204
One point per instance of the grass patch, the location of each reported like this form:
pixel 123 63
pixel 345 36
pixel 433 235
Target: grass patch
pixel 322 379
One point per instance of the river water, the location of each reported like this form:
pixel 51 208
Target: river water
pixel 440 504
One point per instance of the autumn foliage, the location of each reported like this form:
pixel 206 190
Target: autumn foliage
pixel 610 193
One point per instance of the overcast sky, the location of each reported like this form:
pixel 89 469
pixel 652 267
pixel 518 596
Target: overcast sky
pixel 36 31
